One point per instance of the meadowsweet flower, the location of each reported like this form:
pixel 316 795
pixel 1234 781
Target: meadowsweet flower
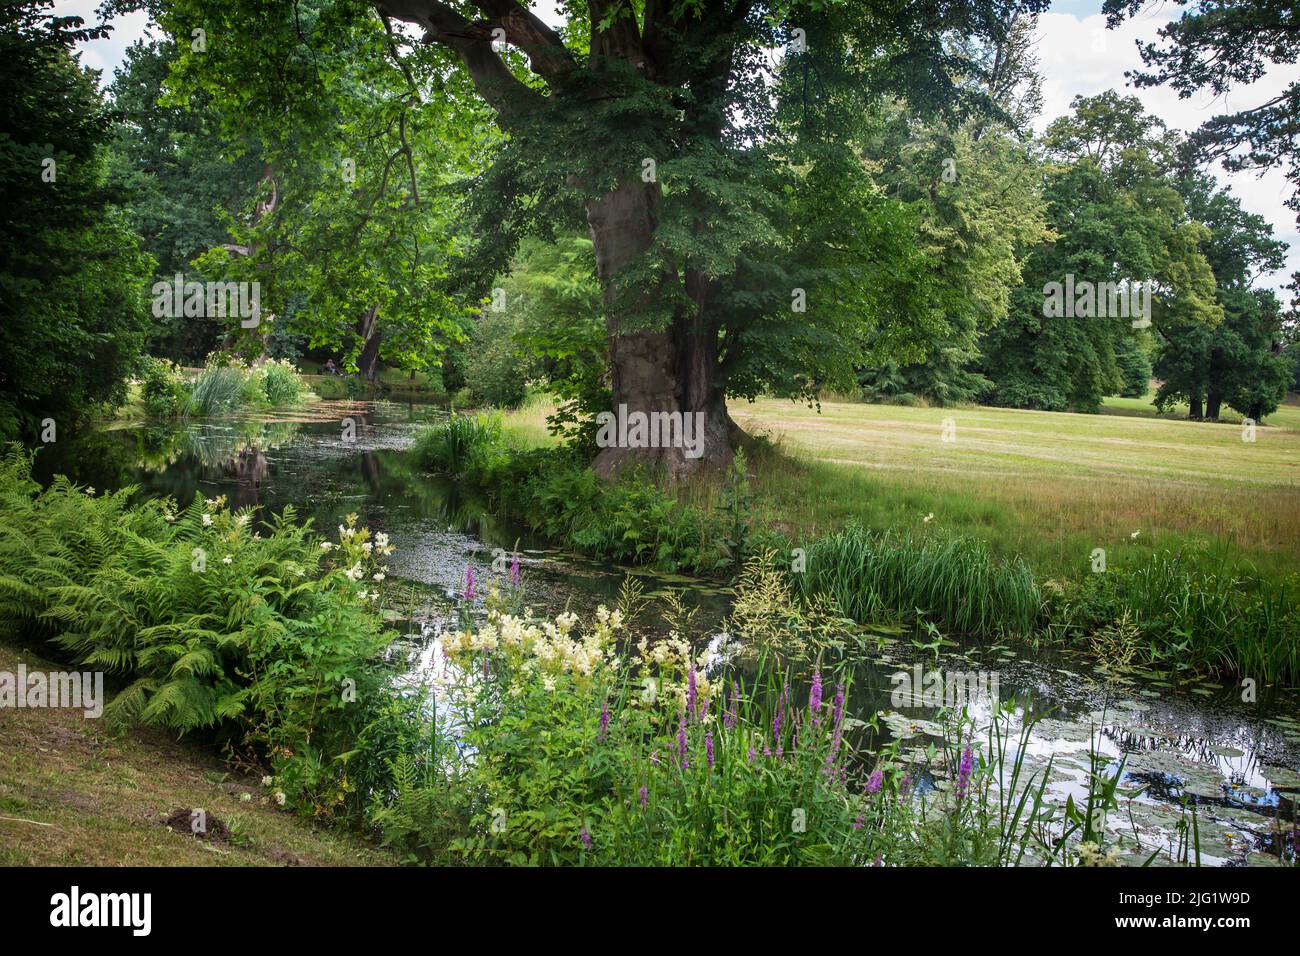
pixel 928 518
pixel 280 797
pixel 207 520
pixel 325 545
pixel 1133 536
pixel 227 559
pixel 267 781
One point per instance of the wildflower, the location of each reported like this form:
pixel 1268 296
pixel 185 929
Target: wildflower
pixel 708 747
pixel 644 794
pixel 875 780
pixel 469 582
pixel 604 720
pixel 928 518
pixel 325 545
pixel 729 717
pixel 241 521
pixel 381 540
pixel 586 837
pixel 354 573
pixel 377 576
pixel 681 742
pixel 857 824
pixel 751 753
pixel 267 781
pixel 207 520
pixel 691 692
pixel 227 559
pixel 279 797
pixel 964 771
pixel 514 570
pixel 1133 536
pixel 815 696
pixel 245 797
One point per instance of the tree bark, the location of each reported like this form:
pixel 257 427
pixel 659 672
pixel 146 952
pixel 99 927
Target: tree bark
pixel 667 370
pixel 1194 407
pixel 368 360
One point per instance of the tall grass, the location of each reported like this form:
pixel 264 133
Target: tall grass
pixel 954 582
pixel 457 446
pixel 221 389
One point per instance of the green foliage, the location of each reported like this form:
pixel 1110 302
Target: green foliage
pixel 164 388
pixel 72 276
pixel 954 582
pixel 268 638
pixel 226 386
pixel 459 446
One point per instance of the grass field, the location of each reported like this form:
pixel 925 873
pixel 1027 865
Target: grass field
pixel 1049 486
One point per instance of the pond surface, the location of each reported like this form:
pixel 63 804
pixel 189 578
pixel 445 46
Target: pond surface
pixel 1236 761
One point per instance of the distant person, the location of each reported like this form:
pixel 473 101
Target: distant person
pixel 330 368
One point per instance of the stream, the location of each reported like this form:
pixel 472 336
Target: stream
pixel 1199 742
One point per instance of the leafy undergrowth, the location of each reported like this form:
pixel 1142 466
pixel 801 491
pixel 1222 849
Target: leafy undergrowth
pixel 71 793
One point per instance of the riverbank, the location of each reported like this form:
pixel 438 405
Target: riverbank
pixel 71 793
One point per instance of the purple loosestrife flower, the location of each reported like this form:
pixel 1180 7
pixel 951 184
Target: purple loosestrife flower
pixel 874 781
pixel 690 693
pixel 708 747
pixel 858 823
pixel 964 771
pixel 514 570
pixel 815 696
pixel 469 582
pixel 681 743
pixel 644 794
pixel 586 838
pixel 752 754
pixel 604 720
pixel 729 718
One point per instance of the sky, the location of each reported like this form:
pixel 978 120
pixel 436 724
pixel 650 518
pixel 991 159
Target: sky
pixel 1077 56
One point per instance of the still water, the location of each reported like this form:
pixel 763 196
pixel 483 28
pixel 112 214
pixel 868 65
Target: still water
pixel 1199 743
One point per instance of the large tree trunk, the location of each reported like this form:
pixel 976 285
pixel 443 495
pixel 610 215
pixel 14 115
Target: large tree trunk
pixel 1194 407
pixel 368 360
pixel 1213 402
pixel 668 370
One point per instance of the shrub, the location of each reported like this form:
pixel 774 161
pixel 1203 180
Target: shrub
pixel 163 388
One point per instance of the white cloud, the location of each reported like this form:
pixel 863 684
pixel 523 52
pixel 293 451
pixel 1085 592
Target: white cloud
pixel 1079 56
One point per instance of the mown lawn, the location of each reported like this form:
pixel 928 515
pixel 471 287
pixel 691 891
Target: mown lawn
pixel 1051 486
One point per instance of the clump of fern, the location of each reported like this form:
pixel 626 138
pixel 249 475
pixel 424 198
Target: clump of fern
pixel 270 637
